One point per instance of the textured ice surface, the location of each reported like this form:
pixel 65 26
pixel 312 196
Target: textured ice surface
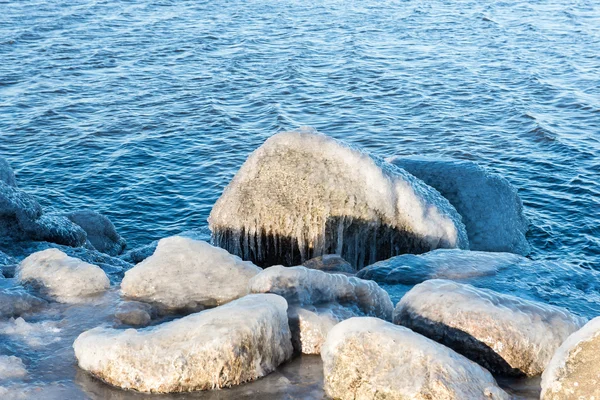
pixel 14 300
pixel 33 334
pixel 100 231
pixel 330 263
pixel 505 334
pixel 303 286
pixel 228 345
pixel 303 194
pixel 188 274
pixel 367 358
pixel 59 276
pixel 11 366
pixel 490 207
pixel 574 371
pixel 574 288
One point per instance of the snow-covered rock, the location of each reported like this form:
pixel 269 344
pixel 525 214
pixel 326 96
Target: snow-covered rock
pixel 134 313
pixel 330 263
pixel 367 358
pixel 15 301
pixel 303 286
pixel 574 371
pixel 188 274
pixel 64 278
pixel 100 231
pixel 224 346
pixel 490 207
pixel 303 194
pixel 503 333
pixel 11 366
pixel 7 175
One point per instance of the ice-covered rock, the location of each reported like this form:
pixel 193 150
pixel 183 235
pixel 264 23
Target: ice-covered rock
pixel 367 358
pixel 228 345
pixel 330 263
pixel 134 313
pixel 100 231
pixel 56 229
pixel 64 278
pixel 303 286
pixel 188 274
pixel 10 366
pixel 505 334
pixel 15 301
pixel 303 194
pixel 574 371
pixel 7 175
pixel 490 207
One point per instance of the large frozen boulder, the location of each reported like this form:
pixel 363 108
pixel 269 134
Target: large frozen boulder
pixel 303 194
pixel 59 276
pixel 505 334
pixel 574 371
pixel 367 358
pixel 224 346
pixel 100 231
pixel 188 274
pixel 489 205
pixel 319 300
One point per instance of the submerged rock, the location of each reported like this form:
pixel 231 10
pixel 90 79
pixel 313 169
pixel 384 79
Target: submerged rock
pixel 503 333
pixel 319 300
pixel 574 371
pixel 100 231
pixel 490 207
pixel 330 263
pixel 14 301
pixel 188 274
pixel 64 278
pixel 228 345
pixel 134 313
pixel 367 358
pixel 303 194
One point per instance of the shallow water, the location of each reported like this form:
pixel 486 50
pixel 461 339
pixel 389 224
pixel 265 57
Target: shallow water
pixel 144 109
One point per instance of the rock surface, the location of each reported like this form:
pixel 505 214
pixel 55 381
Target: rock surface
pixel 303 194
pixel 59 276
pixel 228 345
pixel 134 313
pixel 7 175
pixel 490 207
pixel 574 371
pixel 330 263
pixel 100 231
pixel 367 358
pixel 188 274
pixel 503 333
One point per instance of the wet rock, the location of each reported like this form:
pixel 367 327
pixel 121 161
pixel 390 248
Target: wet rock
pixel 490 207
pixel 61 277
pixel 505 334
pixel 134 313
pixel 574 371
pixel 367 358
pixel 55 229
pixel 221 347
pixel 100 231
pixel 7 175
pixel 330 263
pixel 188 274
pixel 303 194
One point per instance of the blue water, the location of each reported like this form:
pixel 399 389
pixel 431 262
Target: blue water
pixel 144 110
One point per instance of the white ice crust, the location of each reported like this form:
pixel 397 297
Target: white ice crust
pixel 228 345
pixel 574 371
pixel 186 273
pixel 330 198
pixel 11 367
pixel 367 358
pixel 67 279
pixel 504 333
pixel 491 209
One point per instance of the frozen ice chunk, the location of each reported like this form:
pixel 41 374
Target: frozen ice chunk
pixel 224 346
pixel 10 366
pixel 188 274
pixel 33 334
pixel 101 232
pixel 303 286
pixel 366 358
pixel 489 205
pixel 504 333
pixel 303 194
pixel 574 371
pixel 330 263
pixel 7 175
pixel 64 278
